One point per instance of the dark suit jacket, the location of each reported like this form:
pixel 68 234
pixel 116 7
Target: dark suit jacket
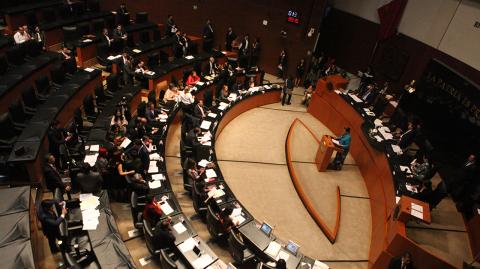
pixel 52 178
pixel 246 51
pixel 90 183
pixel 396 263
pixel 207 33
pixel 152 115
pixel 163 239
pixel 282 61
pixel 198 113
pixel 144 157
pixel 210 68
pixel 118 34
pixel 406 139
pixel 229 39
pixel 50 223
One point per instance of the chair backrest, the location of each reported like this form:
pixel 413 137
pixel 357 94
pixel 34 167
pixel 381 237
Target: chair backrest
pixel 165 261
pixel 42 84
pixel 152 98
pixel 83 28
pixel 236 247
pixel 100 93
pixel 31 18
pixel 17 112
pixel 15 55
pixel 88 104
pixel 141 17
pixel 30 97
pixel 148 234
pixel 110 21
pixel 157 35
pixel 144 37
pixel 57 74
pixel 70 66
pixel 70 35
pixel 213 223
pixel 70 261
pixel 112 82
pixel 153 60
pixel 141 109
pixel 7 127
pixel 97 26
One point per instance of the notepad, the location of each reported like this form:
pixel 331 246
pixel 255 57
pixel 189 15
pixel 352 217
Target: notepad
pixel 210 173
pixel 202 261
pixel 416 214
pixel 237 220
pixel 95 148
pixel 179 228
pixel 273 249
pixel 125 142
pixel 282 255
pixel 158 177
pixel 166 208
pixel 416 207
pixel 187 245
pixel 203 163
pixel 154 184
pixel 205 124
pixel 189 57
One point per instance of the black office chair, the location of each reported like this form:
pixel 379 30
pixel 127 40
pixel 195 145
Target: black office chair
pixel 32 98
pixel 83 29
pixel 15 55
pixel 238 250
pixel 123 19
pixel 74 216
pixel 148 233
pixel 75 242
pixel 168 260
pixel 141 17
pixel 97 26
pixel 48 15
pixel 157 35
pixel 43 86
pixel 93 5
pixel 137 206
pixel 163 57
pixel 110 21
pixel 100 97
pixel 57 73
pixel 70 36
pixel 144 37
pixel 90 108
pixel 18 114
pixel 112 83
pixel 9 133
pixel 153 60
pixel 70 67
pixel 3 65
pixel 214 226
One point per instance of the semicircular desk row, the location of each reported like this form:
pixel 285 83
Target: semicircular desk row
pixel 378 162
pixel 160 187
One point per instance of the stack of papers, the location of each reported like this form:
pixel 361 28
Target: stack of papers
pixel 154 184
pixel 397 149
pixel 210 173
pixel 216 193
pixel 355 98
pixel 158 177
pixel 416 210
pixel 202 261
pixel 187 245
pixel 179 228
pixel 378 122
pixel 153 168
pixel 385 132
pixel 87 40
pixel 223 106
pixel 232 97
pixel 189 57
pixel 95 148
pixel 150 73
pixel 166 208
pixel 273 249
pixel 203 163
pixel 205 124
pixel 411 188
pixel 125 142
pixel 88 69
pixel 88 205
pixel 212 115
pixel 200 83
pixel 136 50
pixel 91 159
pixel 378 138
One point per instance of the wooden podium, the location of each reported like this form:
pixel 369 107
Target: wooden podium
pixel 409 208
pixel 324 152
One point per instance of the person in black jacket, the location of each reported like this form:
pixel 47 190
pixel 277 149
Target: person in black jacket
pixel 282 64
pixel 229 38
pixel 50 221
pixel 89 181
pixel 287 91
pixel 162 236
pixel 144 154
pixel 56 141
pixel 403 262
pixel 53 178
pixel 208 36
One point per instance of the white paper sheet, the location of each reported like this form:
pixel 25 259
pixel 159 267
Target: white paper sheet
pixel 166 208
pixel 187 245
pixel 205 124
pixel 125 142
pixel 283 255
pixel 95 148
pixel 320 265
pixel 212 115
pixel 273 249
pixel 158 177
pixel 179 228
pixel 189 57
pixel 154 184
pixel 416 214
pixel 202 261
pixel 203 163
pixel 210 173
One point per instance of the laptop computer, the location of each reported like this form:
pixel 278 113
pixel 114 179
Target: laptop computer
pixel 292 247
pixel 266 229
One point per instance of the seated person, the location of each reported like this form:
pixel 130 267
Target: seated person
pixel 119 120
pixel 21 36
pixel 89 181
pixel 50 221
pixel 53 177
pixel 185 97
pixel 199 110
pixel 307 95
pixel 224 93
pixel 419 168
pixel 211 68
pixel 192 137
pixel 403 262
pixel 119 33
pixel 152 211
pixel 171 94
pixel 152 113
pixel 105 37
pixel 141 67
pixel 162 235
pixel 137 183
pixel 225 218
pixel 193 78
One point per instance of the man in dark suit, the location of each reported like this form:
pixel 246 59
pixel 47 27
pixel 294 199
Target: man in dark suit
pixel 178 45
pixel 144 154
pixel 199 110
pixel 244 51
pixel 53 178
pixel 50 221
pixel 229 38
pixel 119 33
pixel 56 141
pixel 162 236
pixel 39 37
pixel 407 137
pixel 287 91
pixel 170 24
pixel 403 262
pixel 89 181
pixel 127 69
pixel 152 114
pixel 105 37
pixel 208 36
pixel 211 67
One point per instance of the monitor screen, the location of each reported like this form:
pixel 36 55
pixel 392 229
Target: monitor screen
pixel 293 17
pixel 292 247
pixel 266 228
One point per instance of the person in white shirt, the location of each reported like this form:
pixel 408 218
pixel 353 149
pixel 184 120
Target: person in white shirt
pixel 21 35
pixel 185 97
pixel 105 37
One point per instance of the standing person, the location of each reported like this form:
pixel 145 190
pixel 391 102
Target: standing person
pixel 50 221
pixel 128 71
pixel 287 91
pixel 282 64
pixel 178 45
pixel 244 51
pixel 39 37
pixel 170 25
pixel 299 72
pixel 343 142
pixel 229 38
pixel 255 52
pixel 53 178
pixel 208 36
pixel 56 142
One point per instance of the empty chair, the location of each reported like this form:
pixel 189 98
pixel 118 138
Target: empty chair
pixel 31 98
pixel 141 17
pixel 214 225
pixel 18 114
pixel 168 260
pixel 15 55
pixel 89 107
pixel 163 57
pixel 110 21
pixel 238 250
pixel 78 8
pixel 70 66
pixel 157 35
pixel 3 65
pixel 144 37
pixel 93 5
pixel 97 26
pixel 148 233
pixel 123 19
pixel 153 60
pixel 9 132
pixel 112 82
pixel 70 35
pixel 130 41
pixel 43 86
pixel 31 18
pixel 137 209
pixel 83 28
pixel 48 15
pixel 58 75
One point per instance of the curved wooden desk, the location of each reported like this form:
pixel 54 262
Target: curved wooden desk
pixel 388 236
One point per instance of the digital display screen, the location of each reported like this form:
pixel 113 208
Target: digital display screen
pixel 293 17
pixel 267 229
pixel 292 247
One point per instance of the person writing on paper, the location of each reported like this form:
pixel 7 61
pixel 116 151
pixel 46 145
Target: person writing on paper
pixel 152 211
pixel 50 220
pixel 193 78
pixel 152 113
pixel 119 120
pixel 199 110
pixel 344 142
pixel 162 235
pixel 419 168
pixel 403 262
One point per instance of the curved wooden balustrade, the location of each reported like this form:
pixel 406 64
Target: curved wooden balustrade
pixel 330 234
